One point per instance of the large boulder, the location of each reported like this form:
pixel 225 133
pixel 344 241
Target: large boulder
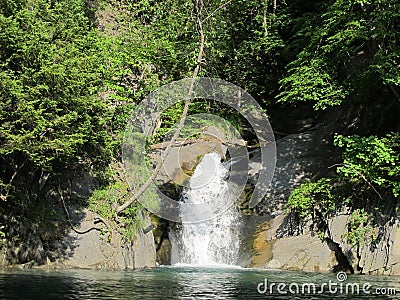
pixel 182 159
pixel 381 257
pixel 304 252
pixel 97 249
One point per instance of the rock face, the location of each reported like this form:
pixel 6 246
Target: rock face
pixel 278 245
pixel 304 252
pixel 380 258
pixel 299 157
pixel 304 152
pixel 94 250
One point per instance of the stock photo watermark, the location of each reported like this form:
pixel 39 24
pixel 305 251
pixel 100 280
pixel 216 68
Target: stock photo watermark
pixel 143 122
pixel 340 286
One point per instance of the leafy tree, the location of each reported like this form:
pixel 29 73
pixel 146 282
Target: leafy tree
pixel 367 179
pixel 347 48
pixel 374 160
pixel 52 116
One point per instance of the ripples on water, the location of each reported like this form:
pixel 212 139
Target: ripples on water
pixel 168 283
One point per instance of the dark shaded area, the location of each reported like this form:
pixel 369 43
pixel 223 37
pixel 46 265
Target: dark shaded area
pixel 343 263
pixel 36 230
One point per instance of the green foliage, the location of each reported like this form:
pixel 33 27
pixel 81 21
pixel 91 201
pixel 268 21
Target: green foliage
pixel 104 200
pixel 311 80
pixel 134 221
pixel 360 230
pixel 341 50
pixel 2 235
pixel 244 44
pixel 53 117
pixel 51 75
pixel 171 117
pixel 311 196
pixel 376 161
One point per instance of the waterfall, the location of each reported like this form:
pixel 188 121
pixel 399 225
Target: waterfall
pixel 214 241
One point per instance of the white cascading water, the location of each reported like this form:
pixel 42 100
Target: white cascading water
pixel 214 241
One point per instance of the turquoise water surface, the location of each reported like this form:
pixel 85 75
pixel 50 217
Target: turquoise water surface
pixel 188 283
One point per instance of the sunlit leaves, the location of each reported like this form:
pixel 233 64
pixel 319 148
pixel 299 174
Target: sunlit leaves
pixel 51 79
pixel 310 196
pixel 311 80
pixel 376 161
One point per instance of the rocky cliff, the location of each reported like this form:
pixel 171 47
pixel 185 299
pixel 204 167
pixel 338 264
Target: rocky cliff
pixel 97 248
pixel 282 241
pixel 281 244
pixel 43 237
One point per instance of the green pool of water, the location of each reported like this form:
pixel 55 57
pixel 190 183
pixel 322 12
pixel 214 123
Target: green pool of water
pixel 191 283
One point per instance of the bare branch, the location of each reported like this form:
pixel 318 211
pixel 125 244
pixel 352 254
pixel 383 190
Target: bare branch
pixel 361 175
pixel 217 9
pixel 8 186
pixel 97 219
pixel 396 94
pixel 144 187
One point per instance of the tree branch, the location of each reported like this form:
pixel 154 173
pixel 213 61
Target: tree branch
pixel 265 23
pixel 361 175
pixel 8 186
pixel 198 5
pixel 192 141
pixel 396 94
pixel 97 219
pixel 217 9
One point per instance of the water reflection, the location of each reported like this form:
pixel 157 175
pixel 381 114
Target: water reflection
pixel 169 283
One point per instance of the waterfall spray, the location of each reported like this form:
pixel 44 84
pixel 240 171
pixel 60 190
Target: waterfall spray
pixel 210 242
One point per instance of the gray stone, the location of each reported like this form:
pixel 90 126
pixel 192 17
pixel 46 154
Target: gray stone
pixel 302 252
pixel 299 157
pixel 338 227
pixel 3 261
pixel 94 250
pixel 394 259
pixel 383 258
pixel 181 162
pixel 380 258
pixel 144 248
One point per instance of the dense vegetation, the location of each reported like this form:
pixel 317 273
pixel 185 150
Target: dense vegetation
pixel 72 71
